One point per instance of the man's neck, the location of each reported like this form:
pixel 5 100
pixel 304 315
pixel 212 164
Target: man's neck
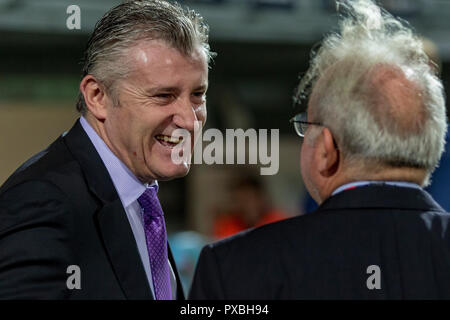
pixel 95 124
pixel 411 175
pixel 357 184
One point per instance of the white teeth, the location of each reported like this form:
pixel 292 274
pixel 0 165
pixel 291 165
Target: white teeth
pixel 169 139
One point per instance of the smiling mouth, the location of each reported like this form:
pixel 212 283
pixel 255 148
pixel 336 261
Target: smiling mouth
pixel 168 141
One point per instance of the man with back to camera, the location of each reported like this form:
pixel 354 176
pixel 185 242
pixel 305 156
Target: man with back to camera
pixel 373 133
pixel 88 202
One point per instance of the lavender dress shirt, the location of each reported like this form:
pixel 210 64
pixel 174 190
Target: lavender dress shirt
pixel 129 189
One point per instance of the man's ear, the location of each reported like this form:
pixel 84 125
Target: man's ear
pixel 94 96
pixel 329 155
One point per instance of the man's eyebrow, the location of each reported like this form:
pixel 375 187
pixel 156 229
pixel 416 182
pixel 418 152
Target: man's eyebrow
pixel 203 87
pixel 154 90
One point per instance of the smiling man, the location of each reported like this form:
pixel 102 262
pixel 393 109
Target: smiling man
pixel 82 220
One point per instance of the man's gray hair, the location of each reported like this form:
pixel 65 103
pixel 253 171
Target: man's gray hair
pixel 132 21
pixel 349 78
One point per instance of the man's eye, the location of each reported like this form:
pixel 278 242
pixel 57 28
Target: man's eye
pixel 163 95
pixel 200 94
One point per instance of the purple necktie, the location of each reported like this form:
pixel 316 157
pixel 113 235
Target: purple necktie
pixel 155 235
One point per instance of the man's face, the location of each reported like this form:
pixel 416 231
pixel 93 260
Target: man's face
pixel 165 91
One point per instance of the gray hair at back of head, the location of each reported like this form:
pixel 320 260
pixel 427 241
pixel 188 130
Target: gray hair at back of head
pixel 371 37
pixel 132 21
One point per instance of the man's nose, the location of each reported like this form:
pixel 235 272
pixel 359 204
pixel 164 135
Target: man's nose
pixel 185 116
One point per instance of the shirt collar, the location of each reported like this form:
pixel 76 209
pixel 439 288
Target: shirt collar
pixel 357 184
pixel 127 185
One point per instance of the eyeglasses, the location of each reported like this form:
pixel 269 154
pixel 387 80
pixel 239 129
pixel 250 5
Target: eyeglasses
pixel 301 124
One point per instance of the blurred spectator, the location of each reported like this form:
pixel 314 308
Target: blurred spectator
pixel 186 247
pixel 250 208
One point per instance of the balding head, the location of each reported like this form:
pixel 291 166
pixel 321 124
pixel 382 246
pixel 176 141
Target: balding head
pixel 373 88
pixel 396 102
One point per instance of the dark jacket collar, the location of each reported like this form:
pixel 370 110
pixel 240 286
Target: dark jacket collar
pixel 95 172
pixel 382 196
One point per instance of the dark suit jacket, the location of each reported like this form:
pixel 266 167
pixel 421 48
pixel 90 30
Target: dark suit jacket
pixel 325 254
pixel 60 209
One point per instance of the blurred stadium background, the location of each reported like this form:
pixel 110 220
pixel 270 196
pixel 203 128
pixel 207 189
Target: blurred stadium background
pixel 263 46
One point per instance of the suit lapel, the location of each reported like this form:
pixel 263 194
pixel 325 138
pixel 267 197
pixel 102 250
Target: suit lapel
pixel 122 251
pixel 112 220
pixel 180 293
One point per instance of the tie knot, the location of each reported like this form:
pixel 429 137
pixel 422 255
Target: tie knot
pixel 149 202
